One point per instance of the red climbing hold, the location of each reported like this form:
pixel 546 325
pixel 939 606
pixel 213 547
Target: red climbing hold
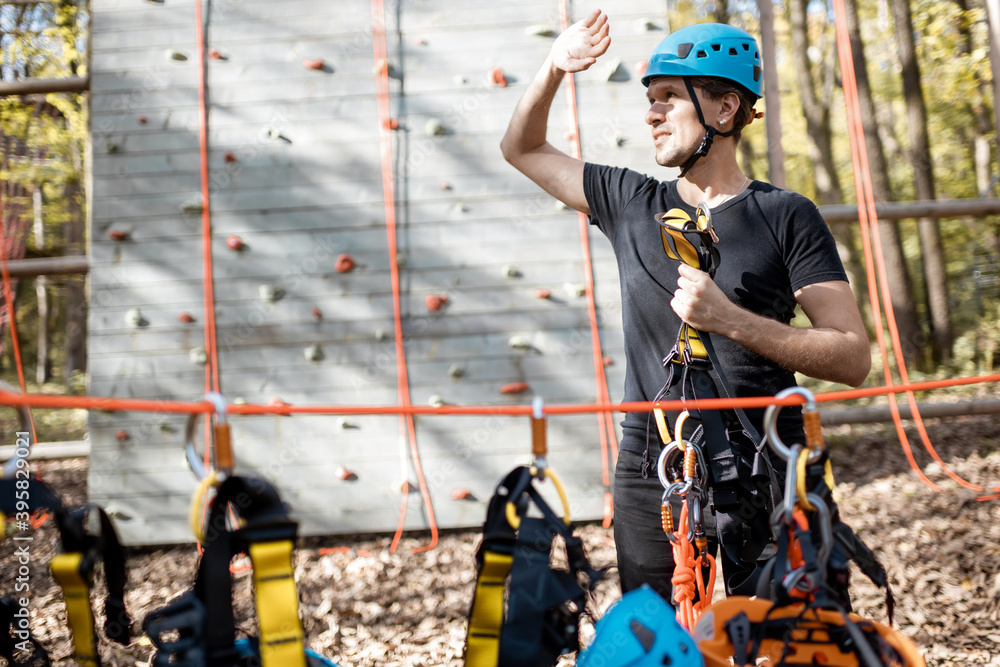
pixel 234 242
pixel 142 120
pixel 317 313
pixel 436 301
pixel 390 124
pixel 514 388
pixel 117 234
pixel 461 494
pixel 185 318
pixel 498 78
pixel 344 263
pixel 215 54
pixel 229 156
pixel 344 474
pixel 313 64
pixel 608 361
pixel 542 294
pixel 122 435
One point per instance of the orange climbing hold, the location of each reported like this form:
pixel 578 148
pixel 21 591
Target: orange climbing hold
pixel 234 242
pixel 542 294
pixel 514 388
pixel 436 301
pixel 313 64
pixel 344 264
pixel 498 78
pixel 185 318
pixel 461 494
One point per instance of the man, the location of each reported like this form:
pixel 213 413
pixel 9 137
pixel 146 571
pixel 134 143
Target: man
pixel 776 252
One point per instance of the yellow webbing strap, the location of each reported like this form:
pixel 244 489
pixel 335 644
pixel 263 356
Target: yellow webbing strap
pixel 661 426
pixel 76 592
pixel 486 619
pixel 281 636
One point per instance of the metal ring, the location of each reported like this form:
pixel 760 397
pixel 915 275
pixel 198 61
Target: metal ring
pixel 771 422
pixel 196 461
pixel 672 449
pixel 24 419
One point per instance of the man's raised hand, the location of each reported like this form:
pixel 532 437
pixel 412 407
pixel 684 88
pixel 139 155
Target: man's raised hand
pixel 579 47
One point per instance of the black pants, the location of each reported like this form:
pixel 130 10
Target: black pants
pixel 645 555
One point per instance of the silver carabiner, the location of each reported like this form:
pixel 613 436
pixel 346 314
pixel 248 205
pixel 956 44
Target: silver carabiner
pixel 20 453
pixel 771 423
pixel 196 461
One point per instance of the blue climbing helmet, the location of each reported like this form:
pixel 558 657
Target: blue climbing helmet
pixel 641 630
pixel 708 49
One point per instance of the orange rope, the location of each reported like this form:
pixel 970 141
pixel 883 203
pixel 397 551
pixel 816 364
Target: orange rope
pixel 868 218
pixel 609 439
pixel 108 404
pixel 212 369
pixel 688 579
pixel 8 296
pixel 389 194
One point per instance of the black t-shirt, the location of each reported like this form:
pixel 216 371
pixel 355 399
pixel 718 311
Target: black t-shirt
pixel 771 243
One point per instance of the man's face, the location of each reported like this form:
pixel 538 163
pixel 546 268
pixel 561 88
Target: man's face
pixel 677 133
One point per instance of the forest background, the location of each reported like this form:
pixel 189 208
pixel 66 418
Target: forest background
pixel 927 94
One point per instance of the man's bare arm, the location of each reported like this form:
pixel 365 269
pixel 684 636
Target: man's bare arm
pixel 525 145
pixel 835 348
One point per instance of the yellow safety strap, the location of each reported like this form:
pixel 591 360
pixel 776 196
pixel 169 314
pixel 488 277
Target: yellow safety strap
pixel 661 426
pixel 76 592
pixel 486 619
pixel 281 636
pixel 800 472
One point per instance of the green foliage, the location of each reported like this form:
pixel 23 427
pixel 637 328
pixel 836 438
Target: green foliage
pixel 43 141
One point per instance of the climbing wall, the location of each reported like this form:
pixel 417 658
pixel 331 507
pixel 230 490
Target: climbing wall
pixel 492 270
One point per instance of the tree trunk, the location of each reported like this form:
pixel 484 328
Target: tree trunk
pixel 820 147
pixel 993 16
pixel 42 295
pixel 76 300
pixel 935 274
pixel 772 95
pixel 980 111
pixel 911 337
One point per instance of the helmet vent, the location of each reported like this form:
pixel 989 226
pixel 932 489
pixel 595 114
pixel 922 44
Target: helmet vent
pixel 716 47
pixel 702 54
pixel 733 52
pixel 756 72
pixel 684 49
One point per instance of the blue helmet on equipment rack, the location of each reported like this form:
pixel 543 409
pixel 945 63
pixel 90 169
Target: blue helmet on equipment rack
pixel 641 630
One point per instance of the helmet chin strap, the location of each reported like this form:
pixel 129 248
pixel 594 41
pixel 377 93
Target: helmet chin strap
pixel 710 132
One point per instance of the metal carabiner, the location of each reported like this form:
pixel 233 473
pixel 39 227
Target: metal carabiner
pixel 771 423
pixel 704 211
pixel 20 453
pixel 196 461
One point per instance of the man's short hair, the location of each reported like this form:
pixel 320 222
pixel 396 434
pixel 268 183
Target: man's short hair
pixel 716 88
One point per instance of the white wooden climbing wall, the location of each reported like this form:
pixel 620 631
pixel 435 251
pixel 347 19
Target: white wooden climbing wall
pixel 491 269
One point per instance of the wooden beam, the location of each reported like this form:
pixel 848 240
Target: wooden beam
pixel 48 266
pixel 73 84
pixel 904 210
pixel 880 414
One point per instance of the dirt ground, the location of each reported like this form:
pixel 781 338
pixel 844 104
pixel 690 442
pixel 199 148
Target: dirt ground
pixel 363 605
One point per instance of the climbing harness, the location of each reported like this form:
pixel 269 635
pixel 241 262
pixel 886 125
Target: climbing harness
pixel 539 619
pixel 707 49
pixel 198 628
pixel 743 482
pixel 73 569
pixel 692 593
pixel 640 630
pixel 801 615
pixel 808 521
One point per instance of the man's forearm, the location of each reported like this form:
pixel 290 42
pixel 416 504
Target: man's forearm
pixel 821 353
pixel 528 125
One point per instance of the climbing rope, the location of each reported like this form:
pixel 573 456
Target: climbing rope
pixel 606 430
pixel 407 427
pixel 875 262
